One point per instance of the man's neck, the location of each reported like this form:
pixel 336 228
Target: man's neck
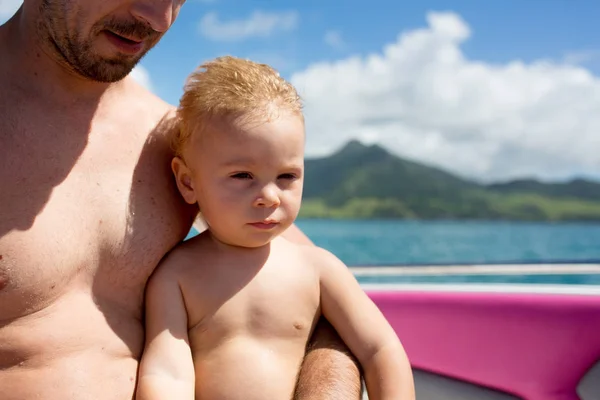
pixel 37 69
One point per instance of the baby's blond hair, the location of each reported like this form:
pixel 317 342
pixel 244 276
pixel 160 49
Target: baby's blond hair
pixel 230 87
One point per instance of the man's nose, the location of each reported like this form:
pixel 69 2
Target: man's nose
pixel 158 14
pixel 268 197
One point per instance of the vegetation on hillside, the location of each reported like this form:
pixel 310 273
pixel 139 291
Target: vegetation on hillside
pixel 368 182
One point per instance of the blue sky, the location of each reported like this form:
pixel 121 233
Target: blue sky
pixel 503 31
pixel 491 90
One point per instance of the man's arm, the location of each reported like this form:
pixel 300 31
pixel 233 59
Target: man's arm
pixel 329 370
pixel 166 368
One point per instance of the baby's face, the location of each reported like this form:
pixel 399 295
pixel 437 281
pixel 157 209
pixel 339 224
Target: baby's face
pixel 248 177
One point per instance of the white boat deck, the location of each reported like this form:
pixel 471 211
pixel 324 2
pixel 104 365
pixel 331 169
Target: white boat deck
pixel 492 269
pixel 590 290
pixel 489 269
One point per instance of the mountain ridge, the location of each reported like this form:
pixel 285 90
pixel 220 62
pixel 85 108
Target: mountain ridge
pixel 368 181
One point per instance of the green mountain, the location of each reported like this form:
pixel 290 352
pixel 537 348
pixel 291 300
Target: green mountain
pixel 577 188
pixel 369 182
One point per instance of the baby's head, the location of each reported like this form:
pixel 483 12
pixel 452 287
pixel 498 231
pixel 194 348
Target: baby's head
pixel 240 150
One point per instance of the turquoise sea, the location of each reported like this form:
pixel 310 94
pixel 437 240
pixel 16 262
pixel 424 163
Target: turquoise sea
pixel 416 242
pixel 401 243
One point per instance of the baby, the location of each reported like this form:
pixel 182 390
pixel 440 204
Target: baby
pixel 230 311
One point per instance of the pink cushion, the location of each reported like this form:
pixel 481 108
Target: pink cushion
pixel 536 346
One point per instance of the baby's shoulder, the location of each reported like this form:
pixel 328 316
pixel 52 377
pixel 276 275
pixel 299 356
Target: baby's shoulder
pixel 186 257
pixel 315 256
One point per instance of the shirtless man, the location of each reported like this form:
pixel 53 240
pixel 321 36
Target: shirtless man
pixel 87 206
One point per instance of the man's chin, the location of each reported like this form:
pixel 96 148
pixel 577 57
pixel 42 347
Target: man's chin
pixel 108 72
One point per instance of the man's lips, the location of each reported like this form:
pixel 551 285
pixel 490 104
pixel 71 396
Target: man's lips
pixel 125 44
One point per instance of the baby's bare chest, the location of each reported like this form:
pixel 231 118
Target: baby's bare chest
pixel 279 304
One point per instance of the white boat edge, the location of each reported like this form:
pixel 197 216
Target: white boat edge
pixel 479 269
pixel 591 290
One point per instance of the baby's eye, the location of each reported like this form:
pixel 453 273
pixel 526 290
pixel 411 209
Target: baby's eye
pixel 242 175
pixel 287 176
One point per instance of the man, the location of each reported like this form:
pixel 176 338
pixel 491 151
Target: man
pixel 89 206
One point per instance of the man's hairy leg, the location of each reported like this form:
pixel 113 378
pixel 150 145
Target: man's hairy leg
pixel 329 370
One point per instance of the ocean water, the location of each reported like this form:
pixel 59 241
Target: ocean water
pixel 417 242
pixel 393 242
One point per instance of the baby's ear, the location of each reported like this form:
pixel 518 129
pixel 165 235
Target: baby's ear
pixel 183 177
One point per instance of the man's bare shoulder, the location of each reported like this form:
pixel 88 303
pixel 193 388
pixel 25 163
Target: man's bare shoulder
pixel 152 102
pixel 148 108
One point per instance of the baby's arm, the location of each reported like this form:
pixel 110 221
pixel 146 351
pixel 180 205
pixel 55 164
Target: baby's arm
pixel 365 330
pixel 166 368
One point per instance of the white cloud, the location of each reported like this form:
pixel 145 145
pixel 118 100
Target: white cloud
pixel 581 56
pixel 8 9
pixel 258 24
pixel 423 99
pixel 334 39
pixel 142 76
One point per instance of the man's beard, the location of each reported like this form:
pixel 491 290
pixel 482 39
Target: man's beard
pixel 77 51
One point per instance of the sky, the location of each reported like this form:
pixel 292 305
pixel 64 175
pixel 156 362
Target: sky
pixel 490 90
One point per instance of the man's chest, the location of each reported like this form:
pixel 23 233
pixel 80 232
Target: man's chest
pixel 104 226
